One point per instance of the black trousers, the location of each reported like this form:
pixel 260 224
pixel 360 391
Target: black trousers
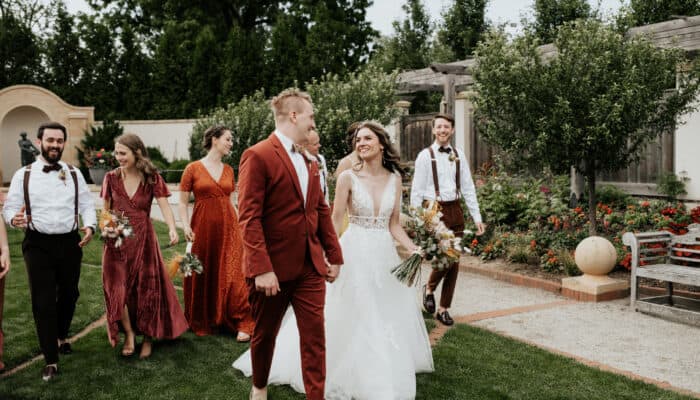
pixel 53 267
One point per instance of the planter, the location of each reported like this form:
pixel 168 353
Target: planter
pixel 97 175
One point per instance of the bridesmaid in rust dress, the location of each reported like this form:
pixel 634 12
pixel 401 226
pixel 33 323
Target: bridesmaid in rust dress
pixel 139 295
pixel 218 297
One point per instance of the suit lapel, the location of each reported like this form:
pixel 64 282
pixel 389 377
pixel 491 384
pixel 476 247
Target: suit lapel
pixel 287 162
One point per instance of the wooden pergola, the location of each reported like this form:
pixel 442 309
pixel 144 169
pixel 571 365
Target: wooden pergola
pixel 683 32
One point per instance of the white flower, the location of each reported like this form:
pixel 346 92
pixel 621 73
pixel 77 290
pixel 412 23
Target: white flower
pixel 126 232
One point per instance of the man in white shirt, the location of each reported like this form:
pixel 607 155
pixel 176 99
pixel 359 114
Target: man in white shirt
pixel 442 174
pixel 44 199
pixel 312 147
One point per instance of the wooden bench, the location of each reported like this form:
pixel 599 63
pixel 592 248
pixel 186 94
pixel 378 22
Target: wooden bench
pixel 668 258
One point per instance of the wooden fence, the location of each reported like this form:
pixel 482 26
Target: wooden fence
pixel 656 160
pixel 416 134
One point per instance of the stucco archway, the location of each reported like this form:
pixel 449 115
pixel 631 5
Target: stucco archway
pixel 24 108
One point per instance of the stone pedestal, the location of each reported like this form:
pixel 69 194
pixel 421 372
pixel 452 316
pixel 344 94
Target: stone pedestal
pixel 595 257
pixel 594 288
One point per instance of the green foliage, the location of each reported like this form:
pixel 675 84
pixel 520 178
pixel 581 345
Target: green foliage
pixel 250 121
pixel 99 137
pixel 612 196
pixel 671 185
pixel 20 52
pixel 156 155
pixel 368 94
pixel 463 27
pixel 551 14
pixel 410 46
pixel 595 105
pixel 176 168
pixel 644 12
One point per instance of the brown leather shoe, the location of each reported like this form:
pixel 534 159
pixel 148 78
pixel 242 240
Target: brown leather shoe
pixel 444 318
pixel 49 372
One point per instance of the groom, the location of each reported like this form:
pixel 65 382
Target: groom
pixel 287 237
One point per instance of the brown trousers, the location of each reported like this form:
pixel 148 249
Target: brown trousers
pixel 453 217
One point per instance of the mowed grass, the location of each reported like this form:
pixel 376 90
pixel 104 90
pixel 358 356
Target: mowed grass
pixel 21 343
pixel 470 363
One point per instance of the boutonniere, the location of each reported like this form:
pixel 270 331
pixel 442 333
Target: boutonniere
pixel 452 157
pixel 62 175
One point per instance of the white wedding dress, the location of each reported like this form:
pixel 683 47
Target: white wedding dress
pixel 376 340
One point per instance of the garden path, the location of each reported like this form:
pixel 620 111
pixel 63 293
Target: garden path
pixel 607 335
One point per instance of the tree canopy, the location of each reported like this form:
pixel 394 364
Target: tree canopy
pixel 595 105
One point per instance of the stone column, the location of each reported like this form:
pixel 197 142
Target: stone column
pixel 465 136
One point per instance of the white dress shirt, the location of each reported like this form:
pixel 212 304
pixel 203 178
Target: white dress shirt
pixel 423 187
pixel 298 161
pixel 52 199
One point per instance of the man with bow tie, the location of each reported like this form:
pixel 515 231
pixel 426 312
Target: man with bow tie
pixel 442 174
pixel 45 199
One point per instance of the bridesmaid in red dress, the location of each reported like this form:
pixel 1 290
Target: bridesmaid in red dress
pixel 218 297
pixel 139 295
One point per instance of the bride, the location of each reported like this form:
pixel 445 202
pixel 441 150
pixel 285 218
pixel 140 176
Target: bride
pixel 376 340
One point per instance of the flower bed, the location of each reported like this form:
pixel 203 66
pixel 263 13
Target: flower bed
pixel 530 222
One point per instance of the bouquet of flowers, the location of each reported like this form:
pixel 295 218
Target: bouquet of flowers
pixel 186 264
pixel 113 226
pixel 437 243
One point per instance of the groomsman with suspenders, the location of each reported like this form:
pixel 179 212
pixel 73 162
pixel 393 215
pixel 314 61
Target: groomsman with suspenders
pixel 442 174
pixel 46 199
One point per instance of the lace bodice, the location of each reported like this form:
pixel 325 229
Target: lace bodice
pixel 362 207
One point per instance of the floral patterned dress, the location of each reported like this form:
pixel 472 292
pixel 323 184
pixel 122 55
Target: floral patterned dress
pixel 134 273
pixel 217 298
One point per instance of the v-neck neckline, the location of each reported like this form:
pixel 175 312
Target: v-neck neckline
pixel 126 191
pixel 217 181
pixel 375 211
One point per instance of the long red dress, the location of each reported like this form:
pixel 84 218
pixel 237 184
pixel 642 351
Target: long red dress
pixel 134 274
pixel 218 297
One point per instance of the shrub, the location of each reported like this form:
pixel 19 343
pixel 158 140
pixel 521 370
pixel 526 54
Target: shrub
pixel 612 196
pixel 176 168
pixel 157 156
pixel 671 185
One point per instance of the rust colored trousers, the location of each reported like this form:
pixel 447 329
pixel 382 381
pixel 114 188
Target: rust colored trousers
pixel 453 217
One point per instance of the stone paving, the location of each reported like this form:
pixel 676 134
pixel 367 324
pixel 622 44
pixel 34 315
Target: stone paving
pixel 607 335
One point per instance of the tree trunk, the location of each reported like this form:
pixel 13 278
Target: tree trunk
pixel 590 177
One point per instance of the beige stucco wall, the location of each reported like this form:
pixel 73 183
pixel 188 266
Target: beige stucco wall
pixel 172 136
pixel 24 108
pixel 687 153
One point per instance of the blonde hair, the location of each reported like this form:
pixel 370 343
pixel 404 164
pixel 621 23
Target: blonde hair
pixel 289 100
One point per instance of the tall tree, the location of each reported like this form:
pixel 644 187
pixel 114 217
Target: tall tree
pixel 99 82
pixel 242 61
pixel 64 57
pixel 463 26
pixel 594 106
pixel 646 12
pixel 410 46
pixel 20 53
pixel 551 14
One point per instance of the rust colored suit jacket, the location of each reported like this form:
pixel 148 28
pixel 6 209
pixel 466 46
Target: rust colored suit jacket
pixel 278 229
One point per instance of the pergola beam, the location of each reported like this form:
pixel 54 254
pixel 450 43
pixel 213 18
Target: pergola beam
pixel 452 69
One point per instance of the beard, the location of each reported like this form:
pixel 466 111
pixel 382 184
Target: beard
pixel 45 153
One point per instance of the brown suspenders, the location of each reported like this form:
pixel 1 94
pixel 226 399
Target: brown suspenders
pixel 433 162
pixel 28 206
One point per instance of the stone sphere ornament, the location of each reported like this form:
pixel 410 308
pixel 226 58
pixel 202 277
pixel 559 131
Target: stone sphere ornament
pixel 595 255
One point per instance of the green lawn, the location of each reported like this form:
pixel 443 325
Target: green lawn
pixel 470 363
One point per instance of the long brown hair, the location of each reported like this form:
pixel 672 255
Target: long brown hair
pixel 143 163
pixel 390 157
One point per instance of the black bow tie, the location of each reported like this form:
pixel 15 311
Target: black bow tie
pixel 447 150
pixel 52 167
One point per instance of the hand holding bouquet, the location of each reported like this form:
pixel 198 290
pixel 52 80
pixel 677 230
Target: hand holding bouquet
pixel 186 264
pixel 115 227
pixel 436 243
